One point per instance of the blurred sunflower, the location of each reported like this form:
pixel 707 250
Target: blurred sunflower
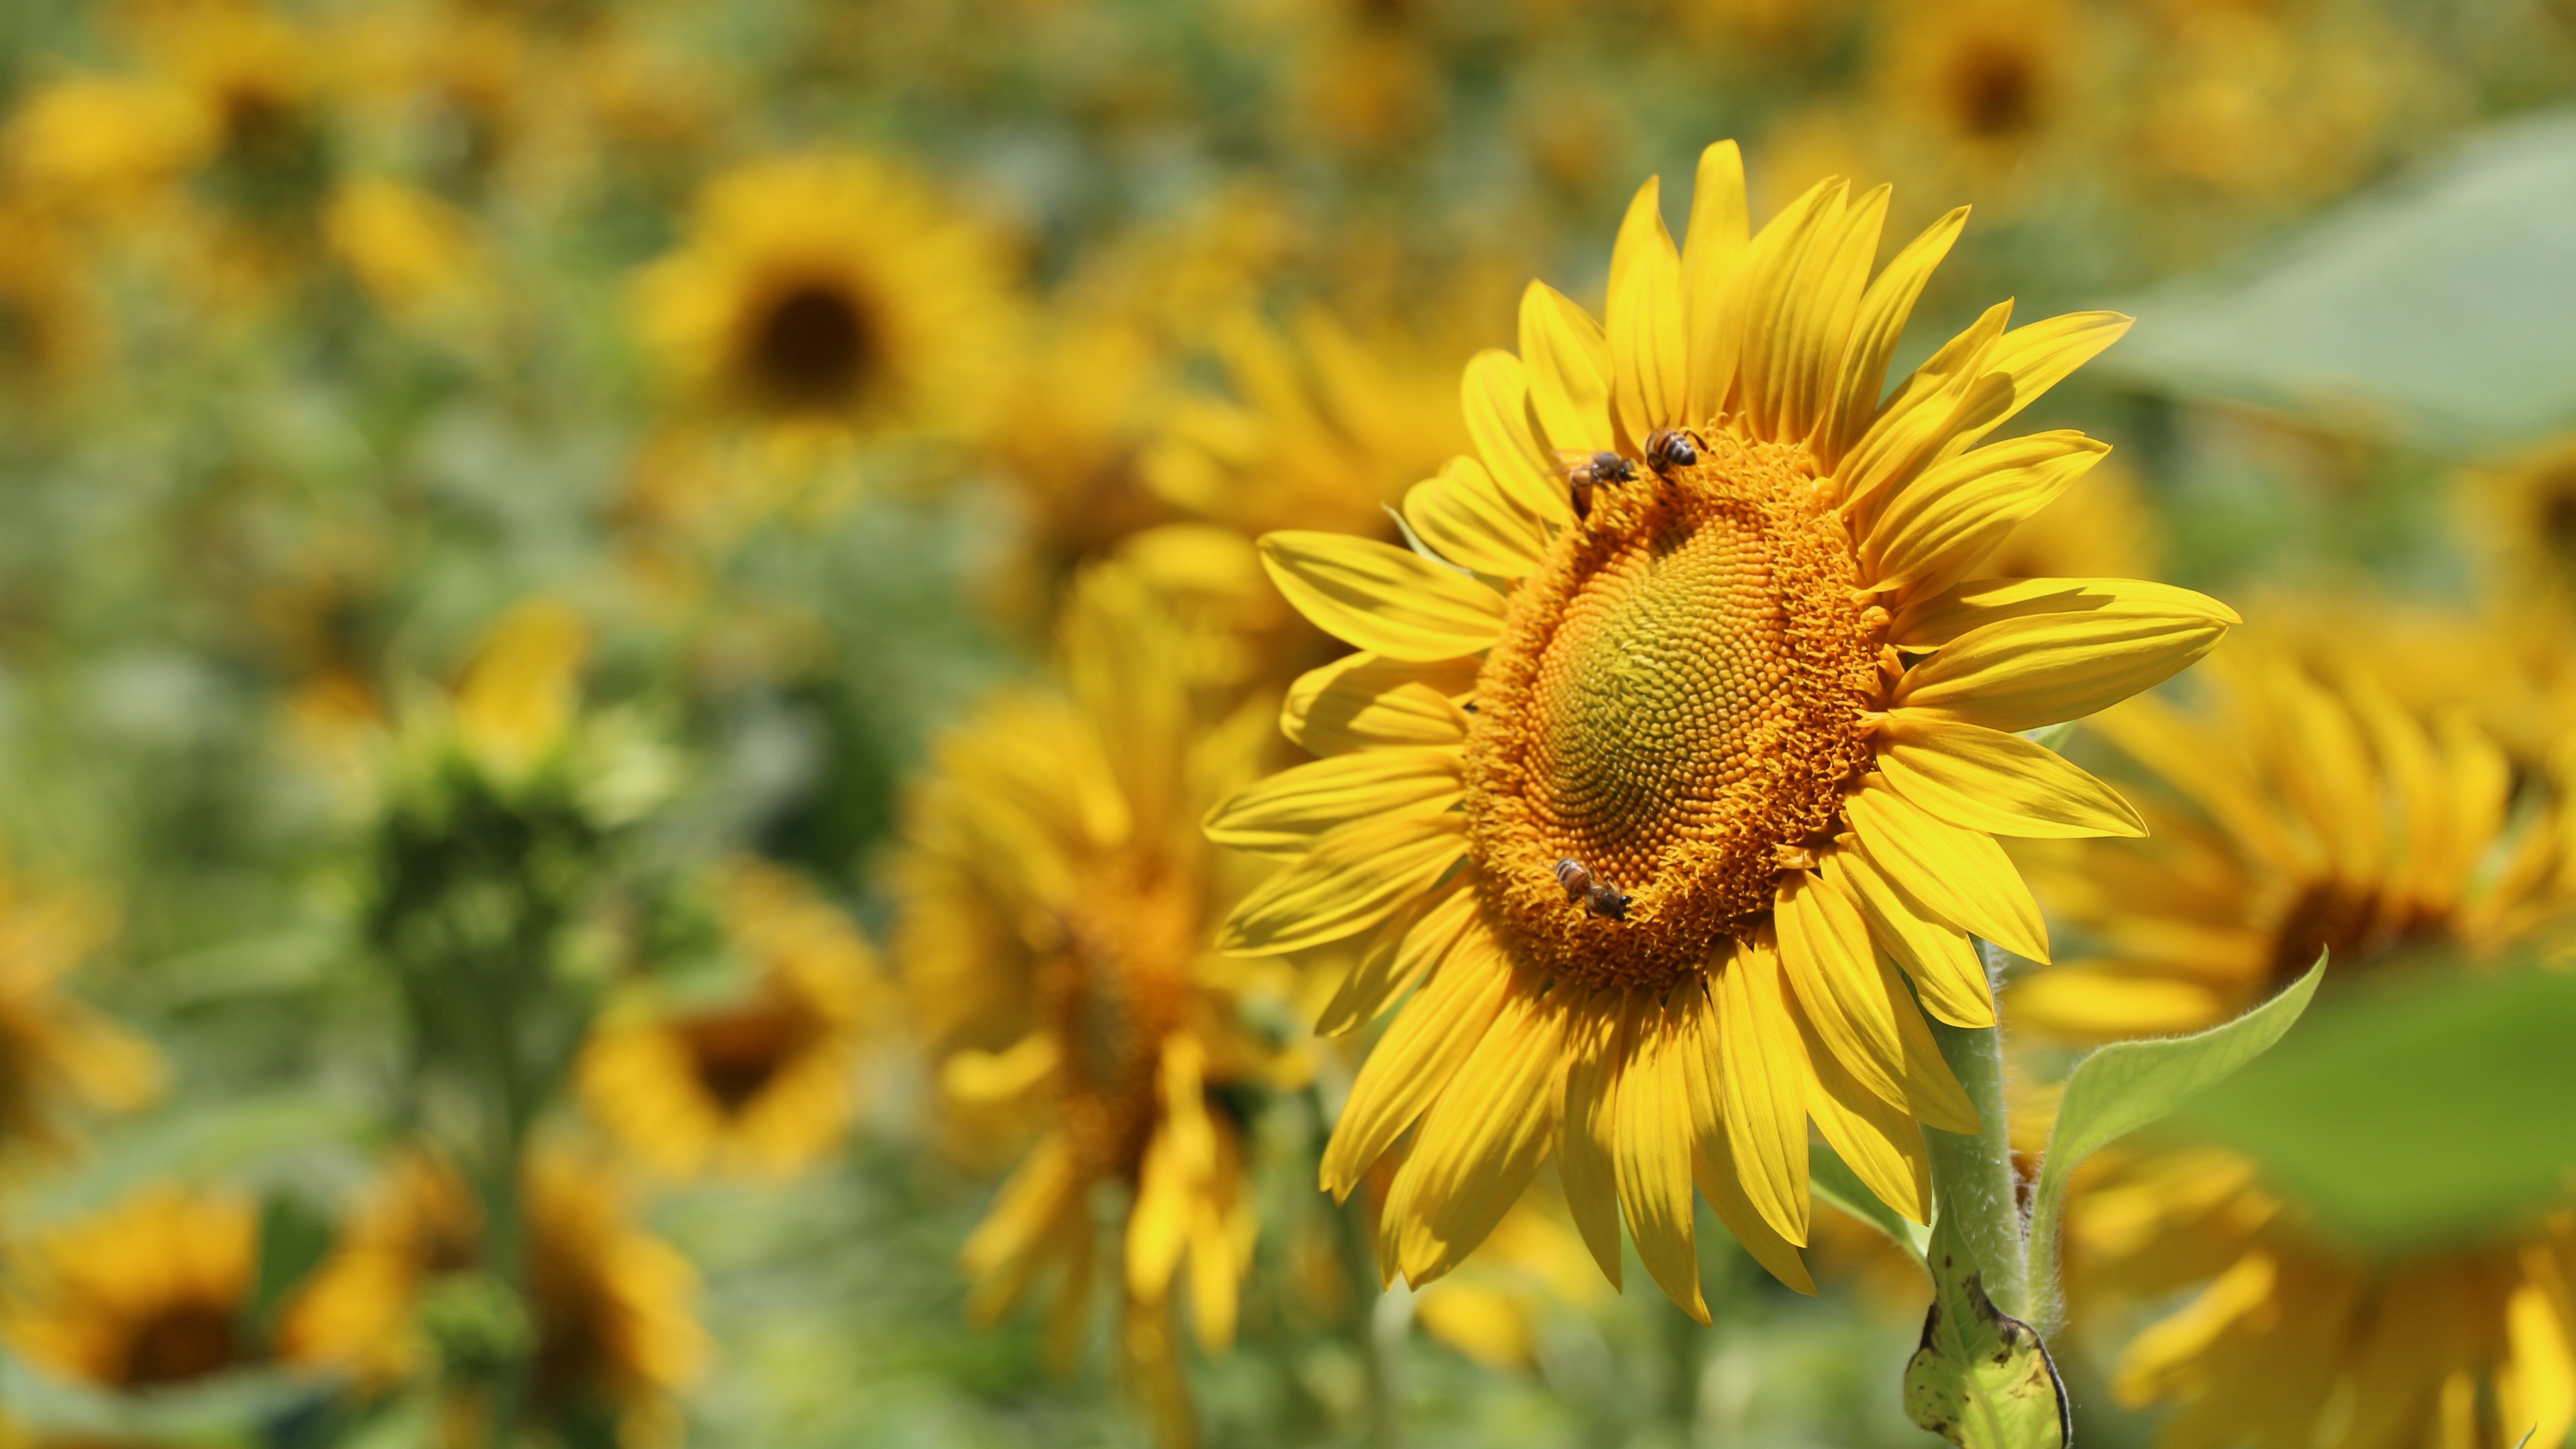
pixel 2292 1341
pixel 1739 743
pixel 764 1085
pixel 1326 427
pixel 1985 81
pixel 152 1293
pixel 50 324
pixel 1057 902
pixel 833 293
pixel 2302 812
pixel 55 1052
pixel 2527 518
pixel 611 1302
pixel 2270 104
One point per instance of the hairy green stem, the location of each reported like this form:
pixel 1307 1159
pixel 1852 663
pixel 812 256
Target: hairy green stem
pixel 1972 1177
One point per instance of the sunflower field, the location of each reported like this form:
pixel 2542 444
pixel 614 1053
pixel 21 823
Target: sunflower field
pixel 1651 724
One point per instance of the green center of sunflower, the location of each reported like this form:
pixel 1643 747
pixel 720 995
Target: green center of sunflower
pixel 815 345
pixel 1675 707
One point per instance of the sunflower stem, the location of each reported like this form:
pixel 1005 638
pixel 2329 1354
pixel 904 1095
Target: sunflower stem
pixel 1972 1177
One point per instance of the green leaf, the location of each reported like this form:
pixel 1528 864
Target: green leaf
pixel 1833 1182
pixel 2411 1116
pixel 1981 1379
pixel 2431 308
pixel 2127 1085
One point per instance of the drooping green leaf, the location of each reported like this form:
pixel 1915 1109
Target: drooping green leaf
pixel 1981 1379
pixel 1833 1182
pixel 2127 1085
pixel 2416 1116
pixel 2430 309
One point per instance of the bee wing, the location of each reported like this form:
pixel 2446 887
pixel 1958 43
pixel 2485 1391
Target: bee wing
pixel 1570 461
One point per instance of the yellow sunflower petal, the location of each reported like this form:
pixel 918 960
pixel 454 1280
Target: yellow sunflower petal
pixel 1004 1252
pixel 1654 1154
pixel 1960 874
pixel 1939 956
pixel 1421 1051
pixel 1649 355
pixel 2040 356
pixel 1858 1007
pixel 1355 877
pixel 1713 277
pixel 1930 620
pixel 2002 784
pixel 2046 668
pixel 1384 599
pixel 2538 1387
pixel 1884 309
pixel 1467 520
pixel 1830 283
pixel 1568 360
pixel 1495 395
pixel 1393 965
pixel 1765 368
pixel 1287 813
pixel 1361 701
pixel 1944 524
pixel 1761 1080
pixel 1714 1169
pixel 1920 417
pixel 1878 1141
pixel 1597 1045
pixel 1158 1224
pixel 1483 1140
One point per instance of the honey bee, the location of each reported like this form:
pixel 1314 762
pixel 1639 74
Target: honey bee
pixel 1599 897
pixel 1584 472
pixel 1671 448
pixel 1576 880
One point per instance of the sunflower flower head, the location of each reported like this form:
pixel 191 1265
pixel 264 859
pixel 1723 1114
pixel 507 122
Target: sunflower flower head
pixel 762 1084
pixel 614 1324
pixel 152 1293
pixel 1680 745
pixel 1058 900
pixel 2306 809
pixel 833 294
pixel 56 1053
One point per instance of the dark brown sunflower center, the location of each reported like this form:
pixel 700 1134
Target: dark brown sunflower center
pixel 1114 993
pixel 2357 926
pixel 1993 89
pixel 816 345
pixel 736 1055
pixel 183 1341
pixel 1676 699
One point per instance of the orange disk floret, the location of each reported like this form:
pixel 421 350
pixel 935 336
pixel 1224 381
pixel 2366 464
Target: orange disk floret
pixel 1677 697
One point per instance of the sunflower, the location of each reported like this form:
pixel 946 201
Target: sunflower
pixel 761 1085
pixel 2292 1340
pixel 1058 897
pixel 1328 424
pixel 2307 810
pixel 832 292
pixel 611 1302
pixel 1664 784
pixel 152 1293
pixel 2528 515
pixel 49 313
pixel 1988 77
pixel 55 1052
